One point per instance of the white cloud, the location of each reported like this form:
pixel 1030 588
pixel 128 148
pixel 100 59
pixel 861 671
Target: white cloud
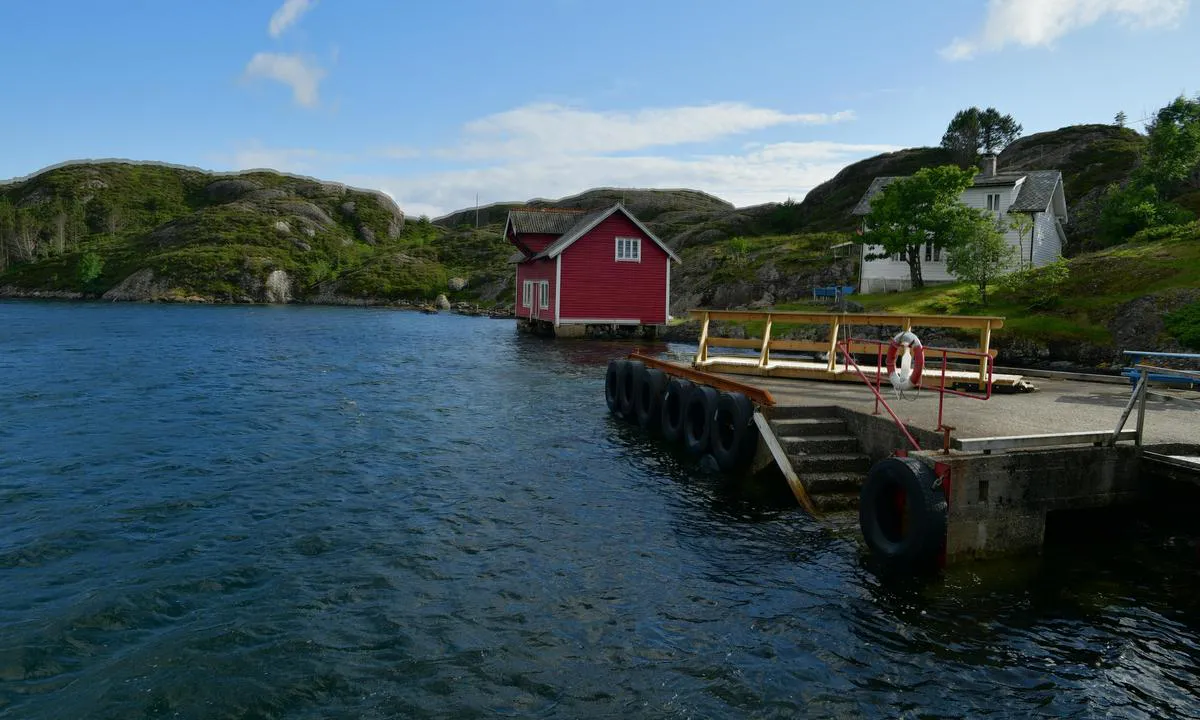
pixel 771 173
pixel 1033 23
pixel 301 75
pixel 287 15
pixel 550 129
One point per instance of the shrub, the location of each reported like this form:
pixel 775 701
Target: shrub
pixel 1132 209
pixel 90 267
pixel 1038 288
pixel 1184 325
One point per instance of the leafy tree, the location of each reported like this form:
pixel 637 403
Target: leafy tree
pixel 997 131
pixel 983 254
pixel 918 210
pixel 1023 224
pixel 90 267
pixel 1172 156
pixel 1120 118
pixel 972 131
pixel 1135 207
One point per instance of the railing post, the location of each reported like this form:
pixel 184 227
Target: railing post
pixel 833 341
pixel 702 351
pixel 1141 407
pixel 765 355
pixel 985 343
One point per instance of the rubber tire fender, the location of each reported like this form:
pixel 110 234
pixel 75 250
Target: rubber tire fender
pixel 649 398
pixel 627 386
pixel 733 439
pixel 674 403
pixel 879 518
pixel 611 381
pixel 698 416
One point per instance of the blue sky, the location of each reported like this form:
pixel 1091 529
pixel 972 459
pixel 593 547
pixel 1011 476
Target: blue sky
pixel 436 102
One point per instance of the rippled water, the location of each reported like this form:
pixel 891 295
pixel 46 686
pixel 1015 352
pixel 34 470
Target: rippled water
pixel 252 512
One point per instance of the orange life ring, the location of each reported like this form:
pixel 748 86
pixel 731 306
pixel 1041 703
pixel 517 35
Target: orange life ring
pixel 912 379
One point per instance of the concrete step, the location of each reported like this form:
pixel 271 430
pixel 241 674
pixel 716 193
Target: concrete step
pixel 837 502
pixel 791 412
pixel 793 427
pixel 818 444
pixel 830 463
pixel 824 483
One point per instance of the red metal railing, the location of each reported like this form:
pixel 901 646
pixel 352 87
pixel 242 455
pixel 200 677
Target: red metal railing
pixel 845 345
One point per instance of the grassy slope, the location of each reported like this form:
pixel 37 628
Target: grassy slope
pixel 1098 284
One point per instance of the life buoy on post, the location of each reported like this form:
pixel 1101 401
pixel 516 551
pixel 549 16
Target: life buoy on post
pixel 905 376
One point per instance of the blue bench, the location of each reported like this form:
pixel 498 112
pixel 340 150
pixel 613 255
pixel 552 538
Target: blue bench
pixel 832 292
pixel 1162 375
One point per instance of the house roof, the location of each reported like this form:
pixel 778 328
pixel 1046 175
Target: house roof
pixel 581 223
pixel 1036 191
pixel 548 222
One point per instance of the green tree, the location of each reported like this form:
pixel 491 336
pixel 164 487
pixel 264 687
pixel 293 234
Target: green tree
pixel 1172 156
pixel 983 254
pixel 90 267
pixel 923 209
pixel 1023 224
pixel 1120 118
pixel 972 131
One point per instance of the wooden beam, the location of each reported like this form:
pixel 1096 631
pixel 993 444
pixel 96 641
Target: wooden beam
pixel 1025 442
pixel 756 394
pixel 785 465
pixel 782 317
pixel 702 352
pixel 764 354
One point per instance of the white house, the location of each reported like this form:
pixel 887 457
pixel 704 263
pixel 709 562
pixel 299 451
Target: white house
pixel 1036 193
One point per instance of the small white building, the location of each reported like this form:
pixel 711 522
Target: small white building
pixel 1036 193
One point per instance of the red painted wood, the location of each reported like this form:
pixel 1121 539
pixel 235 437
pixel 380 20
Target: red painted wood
pixel 536 270
pixel 537 242
pixel 596 286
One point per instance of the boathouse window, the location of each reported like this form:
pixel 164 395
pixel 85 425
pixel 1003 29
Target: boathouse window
pixel 629 249
pixel 545 299
pixel 527 294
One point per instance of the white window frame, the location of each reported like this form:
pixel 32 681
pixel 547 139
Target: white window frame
pixel 993 202
pixel 628 249
pixel 544 300
pixel 527 294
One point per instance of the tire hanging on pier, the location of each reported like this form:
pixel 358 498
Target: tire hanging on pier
pixel 734 438
pixel 902 514
pixel 612 378
pixel 627 387
pixel 698 416
pixel 674 403
pixel 649 399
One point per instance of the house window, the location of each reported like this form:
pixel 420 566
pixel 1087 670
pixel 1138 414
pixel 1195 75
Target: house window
pixel 527 294
pixel 545 299
pixel 933 253
pixel 629 249
pixel 993 202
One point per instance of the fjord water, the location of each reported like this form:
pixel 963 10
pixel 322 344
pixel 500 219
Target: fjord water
pixel 304 512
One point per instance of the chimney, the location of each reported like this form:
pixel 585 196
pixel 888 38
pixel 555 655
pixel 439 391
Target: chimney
pixel 988 165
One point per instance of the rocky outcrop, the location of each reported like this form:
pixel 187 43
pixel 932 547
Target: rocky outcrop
pixel 141 286
pixel 278 287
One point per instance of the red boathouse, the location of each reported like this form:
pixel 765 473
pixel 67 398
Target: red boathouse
pixel 588 273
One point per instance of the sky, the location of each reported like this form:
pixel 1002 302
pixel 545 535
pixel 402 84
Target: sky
pixel 445 103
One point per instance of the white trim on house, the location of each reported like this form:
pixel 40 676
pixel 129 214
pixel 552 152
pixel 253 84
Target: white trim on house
pixel 565 242
pixel 543 295
pixel 628 249
pixel 667 309
pixel 557 288
pixel 527 294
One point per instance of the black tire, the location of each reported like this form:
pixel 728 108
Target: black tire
pixel 611 380
pixel 649 398
pixel 881 515
pixel 733 439
pixel 698 417
pixel 673 405
pixel 627 387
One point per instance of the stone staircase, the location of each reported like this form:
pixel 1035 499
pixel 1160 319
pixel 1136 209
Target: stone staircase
pixel 824 453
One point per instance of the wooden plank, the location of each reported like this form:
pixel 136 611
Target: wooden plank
pixel 702 352
pixel 753 343
pixel 800 369
pixel 764 353
pixel 808 318
pixel 985 343
pixel 785 465
pixel 756 394
pixel 1024 442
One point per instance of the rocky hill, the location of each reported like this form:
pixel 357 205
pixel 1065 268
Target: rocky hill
pixel 134 231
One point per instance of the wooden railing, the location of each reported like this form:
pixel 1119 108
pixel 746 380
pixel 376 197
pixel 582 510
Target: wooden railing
pixel 836 323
